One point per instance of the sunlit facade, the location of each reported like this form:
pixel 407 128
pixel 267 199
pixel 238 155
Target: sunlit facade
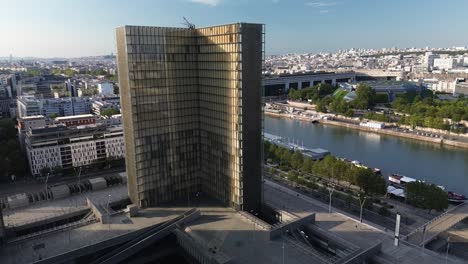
pixel 192 111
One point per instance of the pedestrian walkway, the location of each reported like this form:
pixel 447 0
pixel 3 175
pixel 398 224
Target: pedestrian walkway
pixel 433 228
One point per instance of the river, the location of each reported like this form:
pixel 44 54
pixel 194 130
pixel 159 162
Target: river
pixel 442 165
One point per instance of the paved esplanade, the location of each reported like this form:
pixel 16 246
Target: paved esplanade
pixel 347 227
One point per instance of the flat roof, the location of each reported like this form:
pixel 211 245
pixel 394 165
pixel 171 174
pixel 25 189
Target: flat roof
pixel 64 118
pixel 32 117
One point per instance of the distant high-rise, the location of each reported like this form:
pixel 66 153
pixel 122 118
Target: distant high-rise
pixel 192 112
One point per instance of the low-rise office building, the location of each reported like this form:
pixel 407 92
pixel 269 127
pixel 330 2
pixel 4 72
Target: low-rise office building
pixel 66 147
pixel 30 105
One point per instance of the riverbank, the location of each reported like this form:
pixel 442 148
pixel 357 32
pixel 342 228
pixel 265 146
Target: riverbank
pixel 384 131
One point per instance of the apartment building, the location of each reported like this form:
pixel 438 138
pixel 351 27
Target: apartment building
pixel 66 147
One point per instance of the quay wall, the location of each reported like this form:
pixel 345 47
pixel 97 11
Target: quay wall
pixel 380 131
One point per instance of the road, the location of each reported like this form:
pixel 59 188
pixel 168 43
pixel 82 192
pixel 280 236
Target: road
pixel 318 206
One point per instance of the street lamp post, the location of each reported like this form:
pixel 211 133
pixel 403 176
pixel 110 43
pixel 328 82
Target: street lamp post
pixel 447 252
pixel 46 192
pixel 108 211
pixel 108 201
pixel 284 237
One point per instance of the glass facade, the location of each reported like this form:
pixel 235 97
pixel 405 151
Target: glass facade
pixel 187 95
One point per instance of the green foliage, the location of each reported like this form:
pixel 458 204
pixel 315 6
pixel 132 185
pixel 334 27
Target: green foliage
pixel 370 183
pixel 383 211
pixel 430 112
pixel 12 159
pixel 110 112
pixel 381 98
pixel 331 168
pixel 313 93
pixel 97 72
pixel 294 94
pixel 426 93
pixel 53 115
pixel 377 117
pixel 67 72
pixel 426 196
pixel 296 160
pixel 321 107
pixel 365 96
pixel 33 72
pixel 339 105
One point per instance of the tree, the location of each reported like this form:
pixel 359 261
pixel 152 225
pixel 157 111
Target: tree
pixel 426 196
pixel 321 107
pixel 296 160
pixel 44 171
pixel 370 185
pixel 13 161
pixel 294 94
pixel 365 96
pixel 333 169
pixel 110 112
pixel 307 164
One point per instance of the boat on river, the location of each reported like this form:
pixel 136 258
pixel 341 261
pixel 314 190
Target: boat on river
pixel 399 182
pixel 456 197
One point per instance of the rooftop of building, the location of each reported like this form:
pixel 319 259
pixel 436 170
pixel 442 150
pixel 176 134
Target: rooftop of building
pixel 66 118
pixel 33 117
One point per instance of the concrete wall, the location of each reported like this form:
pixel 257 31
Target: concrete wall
pixel 100 215
pixel 310 219
pixel 363 256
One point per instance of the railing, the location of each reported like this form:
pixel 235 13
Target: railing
pixel 58 213
pixel 83 222
pixel 437 218
pixel 256 220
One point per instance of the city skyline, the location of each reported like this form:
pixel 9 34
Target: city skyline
pixel 57 29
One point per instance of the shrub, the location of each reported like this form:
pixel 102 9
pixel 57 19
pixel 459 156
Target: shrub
pixel 383 211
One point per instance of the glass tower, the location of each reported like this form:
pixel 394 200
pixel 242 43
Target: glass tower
pixel 192 112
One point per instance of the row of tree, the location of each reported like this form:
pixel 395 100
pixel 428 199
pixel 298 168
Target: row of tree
pixel 377 117
pixel 426 105
pixel 314 93
pixel 333 169
pixel 321 96
pixel 337 171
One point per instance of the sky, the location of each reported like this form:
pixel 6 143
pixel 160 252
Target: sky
pixel 73 28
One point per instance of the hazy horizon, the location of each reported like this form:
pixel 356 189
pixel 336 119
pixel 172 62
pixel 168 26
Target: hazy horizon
pixel 79 28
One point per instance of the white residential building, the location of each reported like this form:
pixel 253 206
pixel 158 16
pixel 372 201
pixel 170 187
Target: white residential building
pixel 105 88
pixel 444 64
pixel 69 147
pixel 30 105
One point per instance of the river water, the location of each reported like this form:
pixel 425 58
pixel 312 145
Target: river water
pixel 442 165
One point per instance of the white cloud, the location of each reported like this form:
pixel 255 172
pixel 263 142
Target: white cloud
pixel 324 11
pixel 207 2
pixel 320 4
